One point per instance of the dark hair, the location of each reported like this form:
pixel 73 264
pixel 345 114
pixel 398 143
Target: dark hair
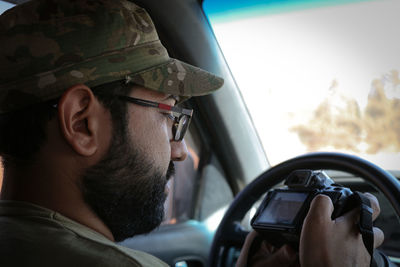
pixel 23 132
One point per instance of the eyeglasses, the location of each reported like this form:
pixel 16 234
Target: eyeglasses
pixel 180 116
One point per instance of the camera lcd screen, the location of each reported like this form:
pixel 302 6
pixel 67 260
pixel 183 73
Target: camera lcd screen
pixel 282 208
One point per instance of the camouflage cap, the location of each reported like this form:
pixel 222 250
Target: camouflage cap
pixel 49 45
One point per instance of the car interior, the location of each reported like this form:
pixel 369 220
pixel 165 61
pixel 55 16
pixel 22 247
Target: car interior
pixel 236 151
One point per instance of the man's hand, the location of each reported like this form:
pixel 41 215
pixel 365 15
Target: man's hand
pixel 266 255
pixel 326 242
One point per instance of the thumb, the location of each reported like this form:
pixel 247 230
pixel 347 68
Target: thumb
pixel 315 228
pixel 321 210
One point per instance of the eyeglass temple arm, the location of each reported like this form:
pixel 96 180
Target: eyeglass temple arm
pixel 188 112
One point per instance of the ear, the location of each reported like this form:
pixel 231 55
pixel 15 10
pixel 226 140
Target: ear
pixel 80 116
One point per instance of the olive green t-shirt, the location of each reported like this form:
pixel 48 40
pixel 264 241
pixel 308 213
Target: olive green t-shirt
pixel 31 235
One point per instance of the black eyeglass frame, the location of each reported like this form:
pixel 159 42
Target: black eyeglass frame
pixel 180 116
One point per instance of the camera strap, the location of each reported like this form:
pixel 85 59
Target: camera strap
pixel 365 224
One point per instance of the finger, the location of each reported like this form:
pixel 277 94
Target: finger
pixel 250 237
pixel 242 261
pixel 379 237
pixel 267 247
pixel 321 209
pixel 354 214
pixel 350 216
pixel 285 256
pixel 374 205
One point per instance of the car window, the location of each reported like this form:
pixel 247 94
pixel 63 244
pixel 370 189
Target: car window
pixel 4 6
pixel 316 75
pixel 179 204
pixel 198 189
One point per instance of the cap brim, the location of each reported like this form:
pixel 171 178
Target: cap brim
pixel 177 78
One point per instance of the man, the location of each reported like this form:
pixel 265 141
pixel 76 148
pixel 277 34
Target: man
pixel 89 133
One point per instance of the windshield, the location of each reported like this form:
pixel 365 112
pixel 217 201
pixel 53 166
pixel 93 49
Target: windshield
pixel 4 6
pixel 316 75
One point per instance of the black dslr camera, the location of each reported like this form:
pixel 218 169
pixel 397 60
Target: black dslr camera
pixel 280 217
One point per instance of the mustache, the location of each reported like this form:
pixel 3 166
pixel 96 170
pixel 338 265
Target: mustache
pixel 170 171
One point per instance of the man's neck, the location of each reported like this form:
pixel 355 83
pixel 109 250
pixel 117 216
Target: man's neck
pixel 52 191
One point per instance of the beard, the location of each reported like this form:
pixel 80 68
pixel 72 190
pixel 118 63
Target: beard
pixel 126 190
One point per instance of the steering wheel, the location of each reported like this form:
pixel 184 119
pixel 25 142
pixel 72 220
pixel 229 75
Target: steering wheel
pixel 230 233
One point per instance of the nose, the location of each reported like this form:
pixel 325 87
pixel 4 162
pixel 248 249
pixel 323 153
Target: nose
pixel 179 150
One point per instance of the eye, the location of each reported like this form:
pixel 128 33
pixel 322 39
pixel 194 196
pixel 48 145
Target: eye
pixel 171 117
pixel 168 115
